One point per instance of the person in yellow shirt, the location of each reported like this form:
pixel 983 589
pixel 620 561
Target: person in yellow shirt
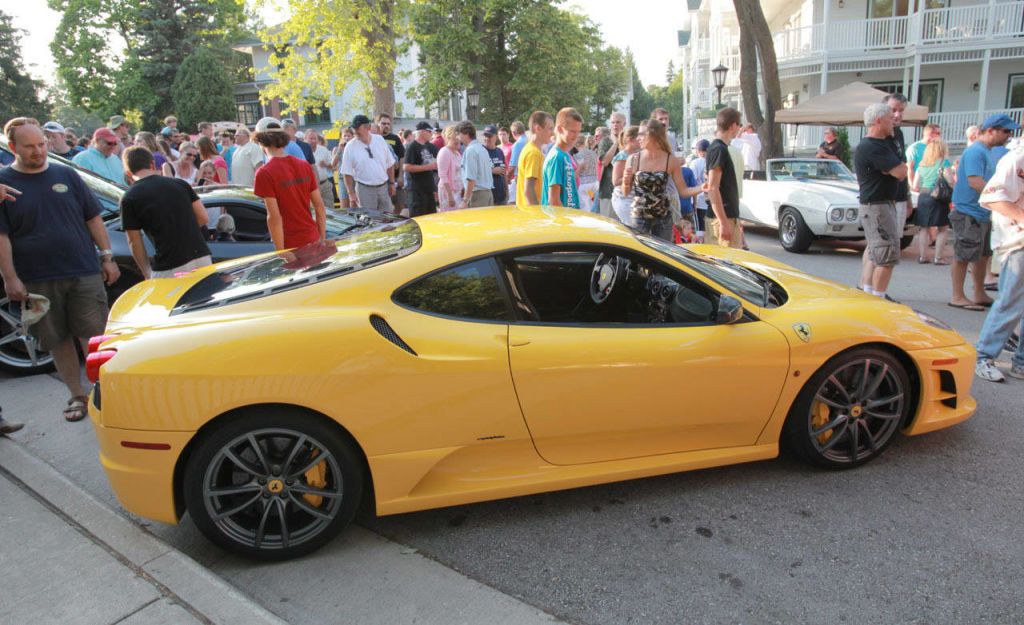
pixel 531 160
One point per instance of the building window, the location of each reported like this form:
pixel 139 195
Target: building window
pixel 313 117
pixel 247 107
pixel 929 92
pixel 1015 92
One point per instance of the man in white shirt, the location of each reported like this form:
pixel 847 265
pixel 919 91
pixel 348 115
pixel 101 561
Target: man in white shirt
pixel 247 159
pixel 750 144
pixel 368 167
pixel 322 166
pixel 1004 196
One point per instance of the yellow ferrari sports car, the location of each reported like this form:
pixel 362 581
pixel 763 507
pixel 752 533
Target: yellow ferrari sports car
pixel 488 353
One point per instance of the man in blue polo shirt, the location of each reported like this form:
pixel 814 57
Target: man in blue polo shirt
pixel 100 157
pixel 972 225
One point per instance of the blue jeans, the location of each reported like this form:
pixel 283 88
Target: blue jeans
pixel 1005 312
pixel 659 228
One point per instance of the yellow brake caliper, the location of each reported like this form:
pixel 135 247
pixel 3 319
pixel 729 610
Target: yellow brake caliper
pixel 317 478
pixel 820 415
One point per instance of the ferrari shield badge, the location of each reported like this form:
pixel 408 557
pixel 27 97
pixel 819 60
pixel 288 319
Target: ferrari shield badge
pixel 803 331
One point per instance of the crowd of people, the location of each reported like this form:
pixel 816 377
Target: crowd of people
pixel 636 174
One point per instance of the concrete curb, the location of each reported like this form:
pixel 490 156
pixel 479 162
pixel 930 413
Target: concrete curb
pixel 177 577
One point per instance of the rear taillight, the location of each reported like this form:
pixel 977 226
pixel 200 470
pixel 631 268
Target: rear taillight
pixel 96 341
pixel 95 360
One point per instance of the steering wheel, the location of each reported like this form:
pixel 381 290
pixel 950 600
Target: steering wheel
pixel 603 277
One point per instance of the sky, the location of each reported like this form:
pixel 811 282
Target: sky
pixel 648 28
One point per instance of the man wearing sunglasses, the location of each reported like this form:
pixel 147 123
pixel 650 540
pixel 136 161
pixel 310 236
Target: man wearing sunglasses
pixel 368 166
pixel 100 157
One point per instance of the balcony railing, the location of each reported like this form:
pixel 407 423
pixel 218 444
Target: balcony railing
pixel 932 26
pixel 954 127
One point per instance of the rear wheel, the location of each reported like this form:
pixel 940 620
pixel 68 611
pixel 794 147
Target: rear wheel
pixel 849 411
pixel 794 235
pixel 273 485
pixel 19 354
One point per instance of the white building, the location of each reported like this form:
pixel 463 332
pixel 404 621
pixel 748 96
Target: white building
pixel 963 59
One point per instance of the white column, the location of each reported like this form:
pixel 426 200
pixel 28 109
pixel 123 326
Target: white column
pixel 906 78
pixel 824 45
pixel 983 83
pixel 916 84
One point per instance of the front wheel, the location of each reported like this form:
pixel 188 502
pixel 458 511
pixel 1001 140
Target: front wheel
pixel 274 484
pixel 849 411
pixel 794 235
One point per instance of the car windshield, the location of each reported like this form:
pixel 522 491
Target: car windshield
pixel 832 171
pixel 313 263
pixel 740 280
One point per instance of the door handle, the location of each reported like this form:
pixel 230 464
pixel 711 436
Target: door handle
pixel 518 342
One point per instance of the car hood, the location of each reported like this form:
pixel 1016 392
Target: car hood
pixel 836 193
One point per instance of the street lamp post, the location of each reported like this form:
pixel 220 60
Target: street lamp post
pixel 719 75
pixel 472 104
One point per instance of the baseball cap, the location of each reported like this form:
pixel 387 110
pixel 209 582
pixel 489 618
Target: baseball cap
pixel 359 120
pixel 490 130
pixel 167 131
pixel 53 127
pixel 424 126
pixel 32 310
pixel 999 120
pixel 115 121
pixel 301 136
pixel 703 145
pixel 104 133
pixel 268 123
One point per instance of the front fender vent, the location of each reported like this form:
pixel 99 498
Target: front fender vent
pixel 389 333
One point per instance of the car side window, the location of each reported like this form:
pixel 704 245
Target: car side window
pixel 471 291
pixel 595 285
pixel 250 222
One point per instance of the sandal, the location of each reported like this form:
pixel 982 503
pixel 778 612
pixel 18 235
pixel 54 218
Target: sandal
pixel 921 260
pixel 940 261
pixel 76 409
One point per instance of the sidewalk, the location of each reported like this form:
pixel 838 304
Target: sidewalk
pixel 68 558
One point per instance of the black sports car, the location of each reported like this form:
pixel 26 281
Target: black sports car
pixel 19 354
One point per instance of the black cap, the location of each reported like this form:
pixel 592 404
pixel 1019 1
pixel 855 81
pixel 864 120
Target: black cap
pixel 490 130
pixel 424 126
pixel 359 120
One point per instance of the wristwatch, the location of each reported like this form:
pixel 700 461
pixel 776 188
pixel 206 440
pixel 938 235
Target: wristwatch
pixel 106 255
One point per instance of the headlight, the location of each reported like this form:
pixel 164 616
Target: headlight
pixel 836 214
pixel 851 214
pixel 932 321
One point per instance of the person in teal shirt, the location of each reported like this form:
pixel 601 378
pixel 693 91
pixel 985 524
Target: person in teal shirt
pixel 100 157
pixel 558 184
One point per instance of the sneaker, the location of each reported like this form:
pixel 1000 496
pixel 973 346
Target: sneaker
pixel 987 370
pixel 1017 371
pixel 9 427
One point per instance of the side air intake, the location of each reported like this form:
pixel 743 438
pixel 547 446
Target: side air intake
pixel 389 333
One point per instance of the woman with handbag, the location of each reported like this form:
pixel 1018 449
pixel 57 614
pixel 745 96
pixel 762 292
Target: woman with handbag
pixel 646 181
pixel 933 180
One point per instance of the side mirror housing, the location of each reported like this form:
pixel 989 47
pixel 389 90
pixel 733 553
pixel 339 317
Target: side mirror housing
pixel 730 310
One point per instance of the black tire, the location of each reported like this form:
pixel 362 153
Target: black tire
pixel 272 492
pixel 19 354
pixel 818 428
pixel 794 235
pixel 906 241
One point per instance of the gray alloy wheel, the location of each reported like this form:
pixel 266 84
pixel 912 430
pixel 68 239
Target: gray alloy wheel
pixel 794 235
pixel 19 354
pixel 849 411
pixel 276 491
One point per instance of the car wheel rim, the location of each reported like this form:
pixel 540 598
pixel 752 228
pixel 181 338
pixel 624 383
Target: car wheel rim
pixel 272 489
pixel 17 350
pixel 788 229
pixel 856 410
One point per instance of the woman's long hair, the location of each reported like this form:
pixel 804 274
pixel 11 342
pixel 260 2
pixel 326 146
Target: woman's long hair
pixel 207 148
pixel 657 133
pixel 628 134
pixel 935 152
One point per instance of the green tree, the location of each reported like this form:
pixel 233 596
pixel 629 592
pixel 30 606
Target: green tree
pixel 642 103
pixel 351 42
pixel 202 90
pixel 19 93
pixel 670 98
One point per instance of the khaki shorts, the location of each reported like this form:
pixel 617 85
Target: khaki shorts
pixel 881 223
pixel 713 232
pixel 481 197
pixel 972 239
pixel 78 308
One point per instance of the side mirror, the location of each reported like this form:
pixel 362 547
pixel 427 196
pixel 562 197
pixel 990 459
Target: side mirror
pixel 730 310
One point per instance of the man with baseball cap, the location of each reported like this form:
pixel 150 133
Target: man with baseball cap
pixel 57 141
pixel 972 224
pixel 101 158
pixel 500 191
pixel 119 125
pixel 368 166
pixel 421 164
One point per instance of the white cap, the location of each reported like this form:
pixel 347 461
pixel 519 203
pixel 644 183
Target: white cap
pixel 268 123
pixel 32 310
pixel 300 135
pixel 53 127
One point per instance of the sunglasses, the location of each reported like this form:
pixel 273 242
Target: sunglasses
pixel 109 143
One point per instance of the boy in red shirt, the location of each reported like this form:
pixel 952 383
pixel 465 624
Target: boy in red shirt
pixel 287 185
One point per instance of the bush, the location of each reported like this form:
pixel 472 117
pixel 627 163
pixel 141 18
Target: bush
pixel 843 137
pixel 202 90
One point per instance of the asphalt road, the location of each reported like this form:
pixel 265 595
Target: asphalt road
pixel 928 533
